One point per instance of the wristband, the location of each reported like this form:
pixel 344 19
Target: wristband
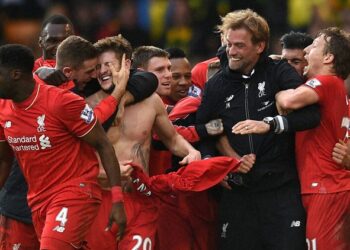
pixel 117 195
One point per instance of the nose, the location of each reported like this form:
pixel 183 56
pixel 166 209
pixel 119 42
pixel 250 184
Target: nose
pixel 93 74
pixel 168 74
pixel 183 81
pixel 231 50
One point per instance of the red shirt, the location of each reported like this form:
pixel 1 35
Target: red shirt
pixel 44 132
pixel 40 62
pixel 317 171
pixel 51 63
pixel 200 72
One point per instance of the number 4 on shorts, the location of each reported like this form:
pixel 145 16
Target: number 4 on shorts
pixel 62 216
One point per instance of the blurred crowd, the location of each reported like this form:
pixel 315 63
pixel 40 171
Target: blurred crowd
pixel 186 24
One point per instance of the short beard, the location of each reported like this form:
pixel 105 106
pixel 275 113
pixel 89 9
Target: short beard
pixel 110 89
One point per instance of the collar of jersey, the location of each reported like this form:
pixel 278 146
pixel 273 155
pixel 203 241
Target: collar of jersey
pixel 27 103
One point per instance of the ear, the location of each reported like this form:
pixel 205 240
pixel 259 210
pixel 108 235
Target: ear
pixel 16 74
pixel 68 72
pixel 40 42
pixel 260 47
pixel 128 63
pixel 328 58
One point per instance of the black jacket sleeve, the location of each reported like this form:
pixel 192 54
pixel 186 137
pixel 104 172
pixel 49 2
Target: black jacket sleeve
pixel 306 118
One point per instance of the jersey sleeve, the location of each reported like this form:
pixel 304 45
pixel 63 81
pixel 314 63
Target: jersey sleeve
pixel 75 113
pixel 322 87
pixel 105 108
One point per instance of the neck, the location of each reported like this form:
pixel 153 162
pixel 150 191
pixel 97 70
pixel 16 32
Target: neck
pixel 24 90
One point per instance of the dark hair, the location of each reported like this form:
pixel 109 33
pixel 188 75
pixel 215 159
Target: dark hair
pixel 17 56
pixel 117 44
pixel 175 53
pixel 295 40
pixel 338 44
pixel 143 54
pixel 73 51
pixel 56 19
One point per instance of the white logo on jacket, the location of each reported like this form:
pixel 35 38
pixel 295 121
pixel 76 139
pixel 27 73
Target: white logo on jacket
pixel 228 100
pixel 261 88
pixel 224 230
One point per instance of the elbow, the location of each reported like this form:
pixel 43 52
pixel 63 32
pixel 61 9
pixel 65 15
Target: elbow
pixel 287 104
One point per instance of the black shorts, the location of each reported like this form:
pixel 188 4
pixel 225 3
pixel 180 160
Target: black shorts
pixel 273 219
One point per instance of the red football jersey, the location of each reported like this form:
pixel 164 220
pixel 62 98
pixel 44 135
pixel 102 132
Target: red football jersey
pixel 41 62
pixel 317 171
pixel 44 132
pixel 51 63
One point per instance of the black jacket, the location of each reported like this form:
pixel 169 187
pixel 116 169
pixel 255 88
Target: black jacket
pixel 233 97
pixel 13 196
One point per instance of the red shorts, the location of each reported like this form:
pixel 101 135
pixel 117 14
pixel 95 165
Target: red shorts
pixel 14 233
pixel 328 221
pixel 189 222
pixel 66 218
pixel 141 214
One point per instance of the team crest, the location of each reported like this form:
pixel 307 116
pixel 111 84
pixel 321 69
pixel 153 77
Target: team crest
pixel 87 114
pixel 261 88
pixel 41 123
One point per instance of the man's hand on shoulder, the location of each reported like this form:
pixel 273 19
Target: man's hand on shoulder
pixel 51 76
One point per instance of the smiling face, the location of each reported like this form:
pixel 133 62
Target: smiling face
pixel 51 36
pixel 104 75
pixel 161 67
pixel 84 73
pixel 315 56
pixel 241 52
pixel 296 58
pixel 181 78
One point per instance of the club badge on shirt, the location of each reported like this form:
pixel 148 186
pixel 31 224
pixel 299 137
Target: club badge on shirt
pixel 87 114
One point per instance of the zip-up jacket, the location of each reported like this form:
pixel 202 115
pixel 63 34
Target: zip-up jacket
pixel 234 97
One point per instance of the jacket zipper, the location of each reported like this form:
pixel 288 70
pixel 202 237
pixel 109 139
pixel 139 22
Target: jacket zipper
pixel 250 137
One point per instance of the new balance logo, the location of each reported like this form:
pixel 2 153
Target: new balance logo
pixel 44 142
pixel 59 229
pixel 295 223
pixel 16 246
pixel 8 124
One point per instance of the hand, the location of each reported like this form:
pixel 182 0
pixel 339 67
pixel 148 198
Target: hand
pixel 51 76
pixel 118 216
pixel 214 127
pixel 125 168
pixel 193 155
pixel 247 162
pixel 120 78
pixel 250 127
pixel 224 183
pixel 341 154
